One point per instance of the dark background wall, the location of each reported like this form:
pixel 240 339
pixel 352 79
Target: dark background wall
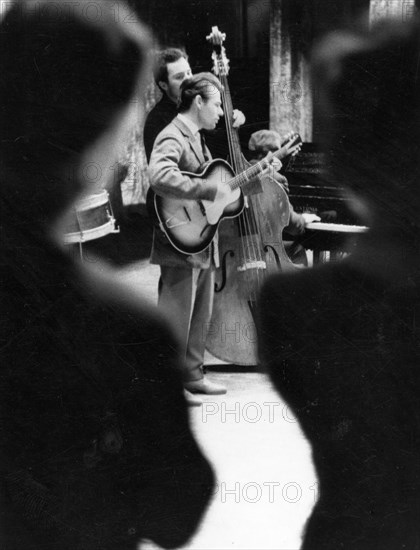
pixel 247 25
pixel 186 23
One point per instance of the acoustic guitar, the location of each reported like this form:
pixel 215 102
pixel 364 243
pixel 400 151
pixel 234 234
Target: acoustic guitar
pixel 190 224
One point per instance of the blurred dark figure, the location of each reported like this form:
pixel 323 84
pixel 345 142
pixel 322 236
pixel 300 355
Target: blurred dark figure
pixel 350 369
pixel 260 143
pixel 95 446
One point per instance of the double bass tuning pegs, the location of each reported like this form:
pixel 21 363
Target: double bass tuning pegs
pixel 216 37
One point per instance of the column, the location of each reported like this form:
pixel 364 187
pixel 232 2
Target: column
pixel 290 89
pixel 398 9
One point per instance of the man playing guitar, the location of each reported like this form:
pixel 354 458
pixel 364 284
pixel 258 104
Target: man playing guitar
pixel 187 280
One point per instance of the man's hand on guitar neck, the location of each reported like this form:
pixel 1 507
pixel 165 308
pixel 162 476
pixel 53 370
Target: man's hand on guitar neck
pixel 274 165
pixel 272 171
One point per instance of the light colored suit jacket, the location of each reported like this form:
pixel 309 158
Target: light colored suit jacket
pixel 177 150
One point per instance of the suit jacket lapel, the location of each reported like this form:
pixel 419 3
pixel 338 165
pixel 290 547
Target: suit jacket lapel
pixel 195 142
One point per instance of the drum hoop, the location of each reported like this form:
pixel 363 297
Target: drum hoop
pixel 91 201
pixel 90 234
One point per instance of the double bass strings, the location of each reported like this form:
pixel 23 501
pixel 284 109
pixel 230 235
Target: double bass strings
pixel 252 259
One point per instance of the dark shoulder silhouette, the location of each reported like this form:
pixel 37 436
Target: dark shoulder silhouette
pixel 95 437
pixel 341 341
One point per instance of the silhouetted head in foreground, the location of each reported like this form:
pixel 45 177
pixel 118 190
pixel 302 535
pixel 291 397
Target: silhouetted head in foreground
pixel 96 447
pixel 68 76
pixel 341 341
pixel 370 92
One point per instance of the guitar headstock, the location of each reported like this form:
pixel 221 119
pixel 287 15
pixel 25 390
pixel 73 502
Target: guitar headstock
pixel 220 61
pixel 296 140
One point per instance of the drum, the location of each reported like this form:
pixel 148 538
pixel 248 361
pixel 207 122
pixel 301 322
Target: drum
pixel 90 218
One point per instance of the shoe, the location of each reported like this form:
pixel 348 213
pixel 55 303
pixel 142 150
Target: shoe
pixel 192 400
pixel 204 386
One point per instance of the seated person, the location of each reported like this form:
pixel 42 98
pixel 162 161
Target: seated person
pixel 260 143
pixel 96 448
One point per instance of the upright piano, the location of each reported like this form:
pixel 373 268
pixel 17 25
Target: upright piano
pixel 313 190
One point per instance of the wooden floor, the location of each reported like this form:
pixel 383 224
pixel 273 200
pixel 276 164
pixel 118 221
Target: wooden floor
pixel 266 485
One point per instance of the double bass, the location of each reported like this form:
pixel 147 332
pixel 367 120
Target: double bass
pixel 250 245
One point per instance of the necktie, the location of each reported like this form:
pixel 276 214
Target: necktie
pixel 203 146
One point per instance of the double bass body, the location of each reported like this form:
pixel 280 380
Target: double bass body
pixel 250 249
pixel 250 246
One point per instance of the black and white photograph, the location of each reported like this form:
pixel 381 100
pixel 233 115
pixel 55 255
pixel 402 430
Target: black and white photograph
pixel 210 274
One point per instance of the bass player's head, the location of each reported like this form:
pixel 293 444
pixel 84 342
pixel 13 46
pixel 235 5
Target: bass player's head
pixel 201 100
pixel 171 69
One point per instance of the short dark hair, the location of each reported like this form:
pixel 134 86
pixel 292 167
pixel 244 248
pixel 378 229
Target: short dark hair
pixel 202 84
pixel 162 59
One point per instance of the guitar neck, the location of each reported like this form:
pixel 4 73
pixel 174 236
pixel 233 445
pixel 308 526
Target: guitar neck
pixel 252 172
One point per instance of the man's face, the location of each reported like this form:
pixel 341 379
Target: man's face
pixel 178 71
pixel 211 110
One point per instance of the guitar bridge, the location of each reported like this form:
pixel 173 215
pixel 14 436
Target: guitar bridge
pixel 169 224
pixel 174 221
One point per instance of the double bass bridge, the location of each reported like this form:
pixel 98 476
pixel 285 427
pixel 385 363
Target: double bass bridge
pixel 254 264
